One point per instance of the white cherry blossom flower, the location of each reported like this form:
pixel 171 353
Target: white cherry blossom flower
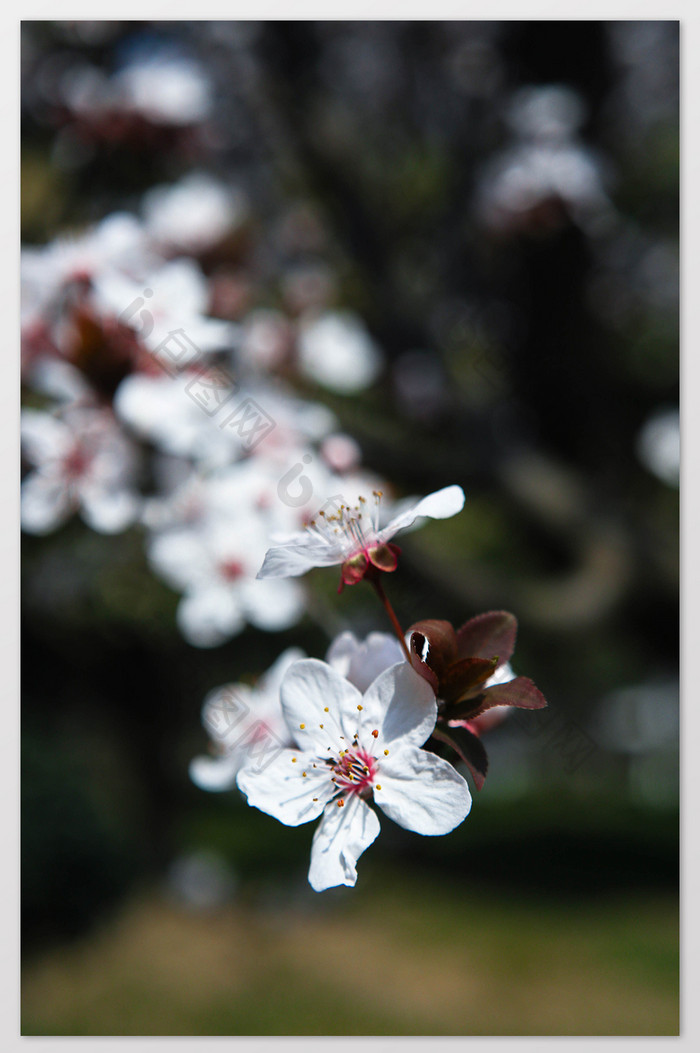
pixel 59 380
pixel 336 350
pixel 82 462
pixel 167 308
pixel 531 174
pixel 658 446
pixel 246 726
pixel 546 113
pixel 118 243
pixel 548 167
pixel 213 565
pixel 166 89
pixel 353 749
pixel 341 452
pixel 351 537
pixel 164 410
pixel 193 214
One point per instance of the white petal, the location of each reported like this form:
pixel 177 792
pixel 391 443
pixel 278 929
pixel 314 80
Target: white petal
pixel 422 792
pixel 120 239
pixel 209 617
pixel 45 503
pixel 340 839
pixel 108 513
pixel 59 380
pixel 271 681
pixel 336 350
pixel 342 651
pixel 181 285
pixel 502 675
pixel 193 214
pixel 215 774
pixel 247 724
pixel 307 690
pixel 227 714
pixel 401 705
pixel 283 791
pixel 379 652
pixel 295 558
pixel 440 505
pixel 361 663
pixel 180 558
pixel 142 402
pixel 44 438
pixel 658 445
pixel 272 605
pixel 207 334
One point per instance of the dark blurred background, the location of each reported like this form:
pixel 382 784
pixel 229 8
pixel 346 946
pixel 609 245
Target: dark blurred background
pixel 499 203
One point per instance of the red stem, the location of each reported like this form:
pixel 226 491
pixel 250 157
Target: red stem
pixel 376 582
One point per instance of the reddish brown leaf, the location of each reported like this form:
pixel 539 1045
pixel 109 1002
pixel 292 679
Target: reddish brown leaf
pixel 489 634
pixel 520 692
pixel 418 643
pixel 467 708
pixel 464 678
pixel 442 643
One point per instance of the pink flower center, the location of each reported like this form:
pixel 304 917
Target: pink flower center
pixel 355 771
pixel 76 464
pixel 231 569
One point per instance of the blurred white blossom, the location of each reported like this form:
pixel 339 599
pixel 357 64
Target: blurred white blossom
pixel 165 89
pixel 81 463
pixel 213 563
pixel 336 351
pixel 244 724
pixel 546 169
pixel 659 446
pixel 192 215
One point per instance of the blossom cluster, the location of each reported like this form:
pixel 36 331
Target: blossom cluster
pixel 382 723
pixel 161 381
pixel 138 366
pixel 160 395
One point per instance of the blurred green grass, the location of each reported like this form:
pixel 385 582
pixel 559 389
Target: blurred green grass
pixel 395 956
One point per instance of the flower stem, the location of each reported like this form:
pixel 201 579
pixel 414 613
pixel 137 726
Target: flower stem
pixel 379 588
